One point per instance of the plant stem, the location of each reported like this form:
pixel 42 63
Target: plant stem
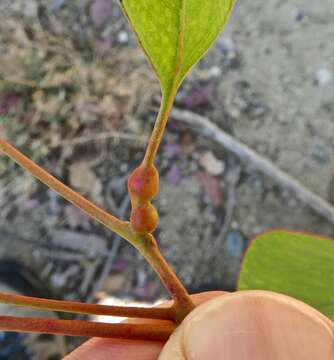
pixel 118 226
pixel 142 331
pixel 146 244
pixel 82 308
pixel 159 127
pixel 183 303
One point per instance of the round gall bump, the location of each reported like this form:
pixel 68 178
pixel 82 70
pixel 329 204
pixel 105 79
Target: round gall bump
pixel 144 218
pixel 143 183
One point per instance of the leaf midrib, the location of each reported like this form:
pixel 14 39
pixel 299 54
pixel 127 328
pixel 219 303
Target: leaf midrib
pixel 180 47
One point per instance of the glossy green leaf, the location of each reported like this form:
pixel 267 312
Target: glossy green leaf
pixel 295 264
pixel 175 34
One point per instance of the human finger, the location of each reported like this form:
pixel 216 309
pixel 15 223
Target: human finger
pixel 118 349
pixel 252 325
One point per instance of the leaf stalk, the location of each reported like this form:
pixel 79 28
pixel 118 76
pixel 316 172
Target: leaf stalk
pixel 113 223
pixel 159 128
pixel 88 309
pixel 143 331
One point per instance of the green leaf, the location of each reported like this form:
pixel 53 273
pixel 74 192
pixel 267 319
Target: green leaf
pixel 295 264
pixel 175 34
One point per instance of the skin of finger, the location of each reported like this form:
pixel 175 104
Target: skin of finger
pixel 252 325
pixel 118 349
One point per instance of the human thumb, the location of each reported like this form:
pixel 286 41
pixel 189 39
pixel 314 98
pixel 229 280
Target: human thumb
pixel 251 325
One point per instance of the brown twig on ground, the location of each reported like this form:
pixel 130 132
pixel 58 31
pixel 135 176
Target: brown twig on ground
pixel 103 136
pixel 246 154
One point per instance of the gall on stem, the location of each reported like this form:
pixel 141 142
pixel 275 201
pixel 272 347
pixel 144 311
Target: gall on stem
pixel 146 244
pixel 143 183
pixel 144 218
pixel 143 186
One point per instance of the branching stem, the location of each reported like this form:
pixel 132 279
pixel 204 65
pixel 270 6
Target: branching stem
pixel 146 244
pixel 149 249
pixel 118 226
pixel 183 303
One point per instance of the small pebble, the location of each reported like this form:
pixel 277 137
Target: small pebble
pixel 100 12
pixel 58 281
pixel 120 264
pixel 235 244
pixel 200 96
pixel 302 15
pixel 214 72
pixel 56 4
pixel 53 202
pixel 323 76
pixel 141 278
pixel 211 188
pixel 174 175
pixel 321 154
pixel 123 37
pixel 227 44
pixel 124 167
pixel 211 164
pixel 172 150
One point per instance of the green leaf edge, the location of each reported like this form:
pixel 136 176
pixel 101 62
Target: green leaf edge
pixel 177 80
pixel 277 232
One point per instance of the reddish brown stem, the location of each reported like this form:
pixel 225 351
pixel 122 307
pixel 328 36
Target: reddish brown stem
pixel 147 331
pixel 146 244
pixel 82 308
pixel 110 221
pixel 183 303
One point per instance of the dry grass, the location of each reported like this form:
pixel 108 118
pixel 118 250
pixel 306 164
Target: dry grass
pixel 51 92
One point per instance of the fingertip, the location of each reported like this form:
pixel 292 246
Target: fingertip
pixel 116 349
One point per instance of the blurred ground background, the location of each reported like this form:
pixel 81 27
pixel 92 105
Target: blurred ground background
pixel 77 96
